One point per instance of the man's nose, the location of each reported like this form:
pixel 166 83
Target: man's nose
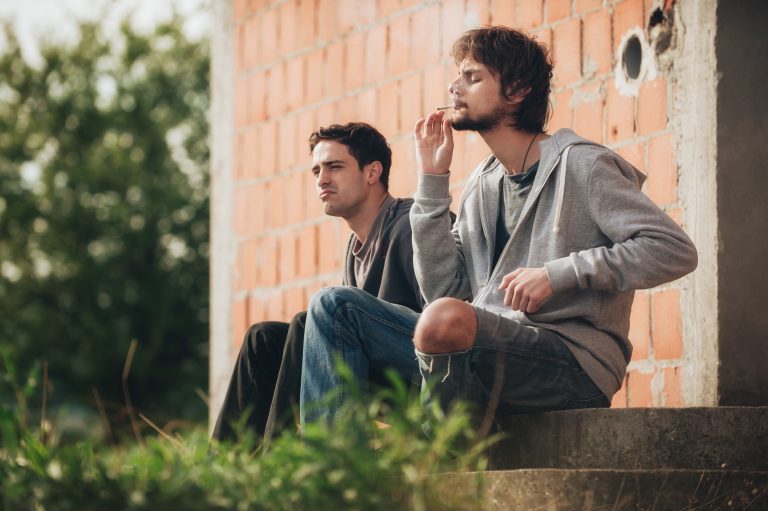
pixel 322 178
pixel 453 88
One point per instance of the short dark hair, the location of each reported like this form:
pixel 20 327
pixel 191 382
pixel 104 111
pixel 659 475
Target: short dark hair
pixel 519 61
pixel 365 143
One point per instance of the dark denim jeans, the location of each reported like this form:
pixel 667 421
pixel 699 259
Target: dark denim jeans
pixel 511 368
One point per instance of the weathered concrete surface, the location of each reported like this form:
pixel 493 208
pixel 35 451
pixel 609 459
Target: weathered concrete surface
pixel 734 438
pixel 614 490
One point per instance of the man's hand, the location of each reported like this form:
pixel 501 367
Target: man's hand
pixel 526 289
pixel 434 144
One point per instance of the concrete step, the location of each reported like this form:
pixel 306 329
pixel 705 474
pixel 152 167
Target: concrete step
pixel 611 490
pixel 730 438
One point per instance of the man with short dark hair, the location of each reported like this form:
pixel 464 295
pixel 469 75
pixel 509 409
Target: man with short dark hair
pixel 351 166
pixel 529 294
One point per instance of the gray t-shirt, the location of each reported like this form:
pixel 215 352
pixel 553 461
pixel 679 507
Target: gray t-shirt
pixel 365 252
pixel 513 191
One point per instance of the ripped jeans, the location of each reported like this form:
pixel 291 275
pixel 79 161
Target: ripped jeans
pixel 510 369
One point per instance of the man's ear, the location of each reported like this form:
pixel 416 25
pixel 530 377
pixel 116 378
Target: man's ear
pixel 373 172
pixel 516 96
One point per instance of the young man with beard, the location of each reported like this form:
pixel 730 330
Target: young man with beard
pixel 529 294
pixel 351 166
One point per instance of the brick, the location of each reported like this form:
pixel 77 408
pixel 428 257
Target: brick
pixel 530 14
pixel 288 27
pixel 673 387
pixel 239 321
pixel 662 170
pixel 354 61
pixel 241 211
pixel 305 125
pixel 314 72
pixel 619 399
pixel 275 87
pixel 286 256
pixel 294 83
pixel 241 101
pixel 366 106
pixel 557 10
pixel 239 45
pixel 387 7
pixel 567 53
pixel 620 116
pixel 640 393
pixel 256 311
pixel 398 45
pixel 597 47
pixel 634 154
pixel 268 144
pixel 588 113
pixel 307 257
pixel 434 91
pixel 286 137
pixel 388 108
pixel 461 166
pixel 451 23
pixel 268 268
pixel 400 182
pixel 652 106
pixel 275 213
pixel 334 68
pixel 640 326
pixel 676 214
pixel 256 106
pixel 326 114
pixel 424 48
pixel 293 200
pixel 327 15
pixel 584 6
pixel 627 15
pixel 251 42
pixel 346 15
pixel 503 13
pixel 256 206
pixel 295 301
pixel 477 13
pixel 327 247
pixel 275 310
pixel 267 33
pixel 345 110
pixel 376 54
pixel 665 323
pixel 544 37
pixel 562 112
pixel 306 10
pixel 250 163
pixel 250 268
pixel 410 102
pixel 239 10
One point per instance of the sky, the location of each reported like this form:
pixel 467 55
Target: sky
pixel 55 20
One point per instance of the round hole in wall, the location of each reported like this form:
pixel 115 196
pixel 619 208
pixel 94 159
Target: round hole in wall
pixel 632 58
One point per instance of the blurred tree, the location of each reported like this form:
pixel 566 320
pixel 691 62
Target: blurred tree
pixel 104 216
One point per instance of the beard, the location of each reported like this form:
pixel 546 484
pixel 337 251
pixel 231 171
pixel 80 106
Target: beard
pixel 480 124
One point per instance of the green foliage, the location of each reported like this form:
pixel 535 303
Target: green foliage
pixel 355 465
pixel 104 216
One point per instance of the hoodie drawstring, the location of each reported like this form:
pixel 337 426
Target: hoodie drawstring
pixel 560 193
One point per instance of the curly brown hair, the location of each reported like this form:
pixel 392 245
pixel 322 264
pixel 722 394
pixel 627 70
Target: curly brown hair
pixel 520 62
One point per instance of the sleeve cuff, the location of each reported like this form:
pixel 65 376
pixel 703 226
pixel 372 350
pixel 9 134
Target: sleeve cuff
pixel 433 186
pixel 562 274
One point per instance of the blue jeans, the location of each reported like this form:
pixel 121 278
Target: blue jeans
pixel 511 368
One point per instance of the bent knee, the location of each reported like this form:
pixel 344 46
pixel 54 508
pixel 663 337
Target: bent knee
pixel 445 326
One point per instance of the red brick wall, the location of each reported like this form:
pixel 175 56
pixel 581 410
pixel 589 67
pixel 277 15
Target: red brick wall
pixel 306 63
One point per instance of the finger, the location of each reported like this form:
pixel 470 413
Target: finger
pixel 524 303
pixel 431 126
pixel 533 305
pixel 418 127
pixel 508 296
pixel 448 132
pixel 505 280
pixel 517 296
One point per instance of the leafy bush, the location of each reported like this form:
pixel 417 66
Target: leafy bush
pixel 355 465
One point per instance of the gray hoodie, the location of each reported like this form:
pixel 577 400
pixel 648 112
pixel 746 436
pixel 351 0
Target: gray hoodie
pixel 598 236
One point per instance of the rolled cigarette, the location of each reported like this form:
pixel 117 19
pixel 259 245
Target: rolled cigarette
pixel 446 107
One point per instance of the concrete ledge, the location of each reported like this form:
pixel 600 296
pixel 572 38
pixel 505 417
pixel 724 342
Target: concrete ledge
pixel 731 438
pixel 614 490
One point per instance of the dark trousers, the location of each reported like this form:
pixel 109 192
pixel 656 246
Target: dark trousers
pixel 266 380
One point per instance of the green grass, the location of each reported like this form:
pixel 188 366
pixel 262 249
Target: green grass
pixel 356 465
